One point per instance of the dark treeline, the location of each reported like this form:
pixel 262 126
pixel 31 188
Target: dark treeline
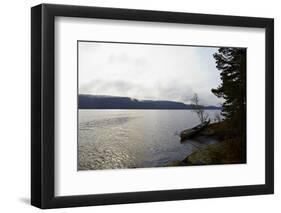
pixel 112 102
pixel 231 62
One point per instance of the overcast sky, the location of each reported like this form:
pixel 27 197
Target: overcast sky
pixel 155 72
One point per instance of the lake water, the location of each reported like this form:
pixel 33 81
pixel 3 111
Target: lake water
pixel 111 139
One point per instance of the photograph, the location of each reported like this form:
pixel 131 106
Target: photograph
pixel 160 105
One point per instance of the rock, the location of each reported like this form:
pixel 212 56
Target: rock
pixel 207 132
pixel 177 163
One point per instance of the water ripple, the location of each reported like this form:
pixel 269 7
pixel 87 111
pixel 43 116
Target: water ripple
pixel 105 122
pixel 104 157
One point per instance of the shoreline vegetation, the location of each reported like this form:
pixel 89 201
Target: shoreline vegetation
pixel 229 148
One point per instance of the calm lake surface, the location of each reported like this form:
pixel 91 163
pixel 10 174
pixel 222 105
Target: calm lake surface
pixel 110 139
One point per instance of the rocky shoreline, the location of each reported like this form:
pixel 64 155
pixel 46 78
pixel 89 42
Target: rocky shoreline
pixel 227 150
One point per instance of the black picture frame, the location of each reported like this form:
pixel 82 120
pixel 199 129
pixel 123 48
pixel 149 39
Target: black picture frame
pixel 43 105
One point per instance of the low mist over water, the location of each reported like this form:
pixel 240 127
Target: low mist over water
pixel 110 139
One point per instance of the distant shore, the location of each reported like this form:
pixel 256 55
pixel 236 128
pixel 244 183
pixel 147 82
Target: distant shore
pixel 115 102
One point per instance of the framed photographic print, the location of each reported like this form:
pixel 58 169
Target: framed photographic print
pixel 139 106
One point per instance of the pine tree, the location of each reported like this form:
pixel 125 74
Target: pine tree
pixel 231 62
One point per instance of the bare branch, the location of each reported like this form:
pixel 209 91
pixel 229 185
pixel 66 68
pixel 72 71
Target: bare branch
pixel 199 109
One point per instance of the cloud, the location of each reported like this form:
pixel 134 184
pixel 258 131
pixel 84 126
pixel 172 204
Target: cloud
pixel 155 72
pixel 99 86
